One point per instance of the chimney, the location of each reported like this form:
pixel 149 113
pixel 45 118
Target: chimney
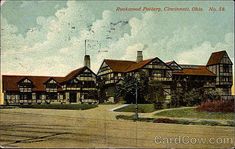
pixel 87 61
pixel 139 56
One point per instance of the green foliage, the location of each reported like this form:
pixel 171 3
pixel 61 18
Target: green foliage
pixel 142 108
pixel 132 117
pixel 101 90
pixel 231 123
pixel 192 97
pixel 212 94
pixel 61 106
pixel 193 113
pixel 177 121
pixel 127 88
pixel 156 94
pixel 207 122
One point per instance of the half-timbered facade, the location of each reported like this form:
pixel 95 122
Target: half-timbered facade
pixel 194 78
pixel 221 65
pixel 112 71
pixel 79 86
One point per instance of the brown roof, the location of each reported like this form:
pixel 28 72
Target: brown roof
pixel 199 71
pixel 119 65
pixel 125 66
pixel 10 82
pixel 138 65
pixel 73 74
pixel 216 57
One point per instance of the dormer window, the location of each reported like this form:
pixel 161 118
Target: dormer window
pixel 51 86
pixel 25 85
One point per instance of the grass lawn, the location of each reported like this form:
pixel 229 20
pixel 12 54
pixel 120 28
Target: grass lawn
pixel 61 106
pixel 142 108
pixel 192 113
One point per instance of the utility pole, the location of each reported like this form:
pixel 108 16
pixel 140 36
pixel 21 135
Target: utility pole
pixel 136 101
pixel 136 96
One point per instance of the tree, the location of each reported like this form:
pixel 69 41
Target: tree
pixel 212 94
pixel 101 90
pixel 126 88
pixel 193 97
pixel 156 94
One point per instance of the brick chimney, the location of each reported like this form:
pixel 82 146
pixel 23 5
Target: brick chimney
pixel 139 56
pixel 87 61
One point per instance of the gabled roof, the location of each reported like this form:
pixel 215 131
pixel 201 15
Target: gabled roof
pixel 216 57
pixel 139 65
pixel 125 66
pixel 52 78
pixel 170 63
pixel 128 66
pixel 73 73
pixel 10 82
pixel 76 72
pixel 119 65
pixel 198 71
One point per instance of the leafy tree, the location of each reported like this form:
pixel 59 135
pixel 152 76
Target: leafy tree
pixel 212 94
pixel 126 88
pixel 156 94
pixel 101 89
pixel 193 97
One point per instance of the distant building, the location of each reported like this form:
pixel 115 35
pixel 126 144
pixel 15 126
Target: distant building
pixel 79 86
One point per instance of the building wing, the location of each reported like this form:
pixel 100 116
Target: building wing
pixel 217 57
pixel 196 71
pixel 11 82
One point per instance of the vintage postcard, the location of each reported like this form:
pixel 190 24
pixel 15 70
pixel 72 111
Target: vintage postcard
pixel 117 74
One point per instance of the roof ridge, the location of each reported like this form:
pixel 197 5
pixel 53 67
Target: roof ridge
pixel 219 51
pixel 29 76
pixel 119 60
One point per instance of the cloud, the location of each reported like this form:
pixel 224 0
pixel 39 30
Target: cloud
pixel 200 54
pixel 56 44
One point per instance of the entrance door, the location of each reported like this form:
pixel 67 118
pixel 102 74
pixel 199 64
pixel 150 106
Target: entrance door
pixel 72 97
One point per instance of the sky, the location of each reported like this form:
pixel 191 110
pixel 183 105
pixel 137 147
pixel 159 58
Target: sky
pixel 48 37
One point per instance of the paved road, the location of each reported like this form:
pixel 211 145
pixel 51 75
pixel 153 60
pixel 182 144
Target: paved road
pixel 98 128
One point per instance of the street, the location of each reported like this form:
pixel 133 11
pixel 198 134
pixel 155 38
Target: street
pixel 97 128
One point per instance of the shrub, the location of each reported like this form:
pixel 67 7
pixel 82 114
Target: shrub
pixel 231 123
pixel 125 117
pixel 164 120
pixel 132 117
pixel 217 106
pixel 210 123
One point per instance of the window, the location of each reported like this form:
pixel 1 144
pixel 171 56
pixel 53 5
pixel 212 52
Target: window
pixel 226 68
pixel 158 73
pixel 51 86
pixel 25 86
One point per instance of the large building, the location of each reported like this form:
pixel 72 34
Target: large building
pixel 83 85
pixel 221 65
pixel 216 74
pixel 111 71
pixel 79 86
